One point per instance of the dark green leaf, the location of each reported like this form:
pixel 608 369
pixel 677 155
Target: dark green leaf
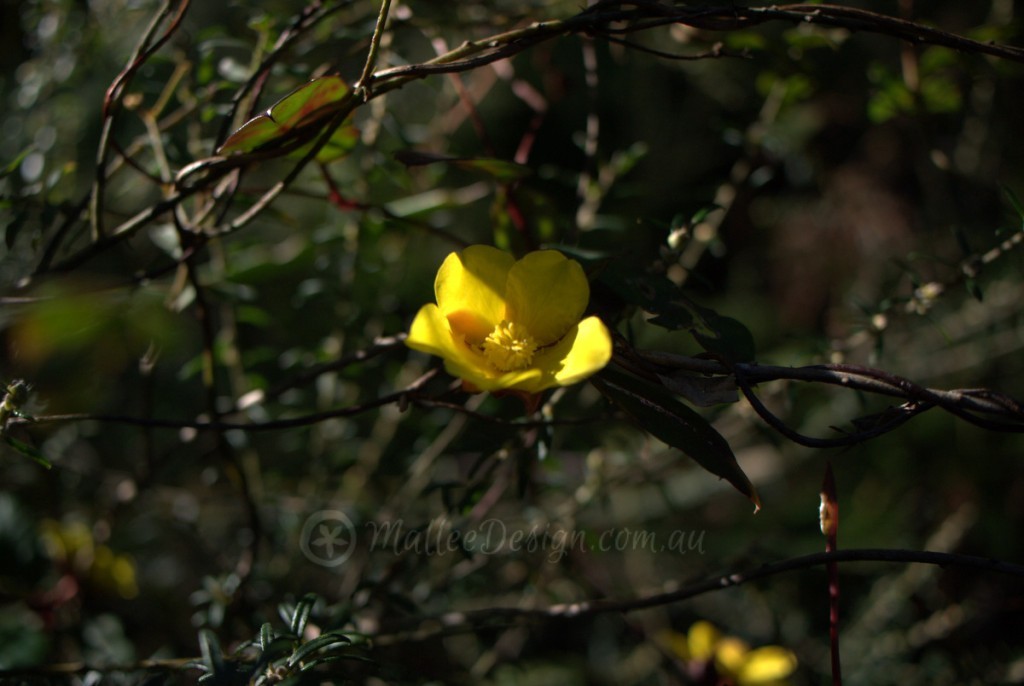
pixel 667 419
pixel 11 166
pixel 28 451
pixel 1014 201
pixel 209 648
pixel 266 636
pixel 347 657
pixel 650 292
pixel 301 614
pixel 501 170
pixel 319 643
pixel 974 289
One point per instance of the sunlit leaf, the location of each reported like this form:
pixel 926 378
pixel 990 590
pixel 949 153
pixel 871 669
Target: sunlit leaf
pixel 308 105
pixel 667 419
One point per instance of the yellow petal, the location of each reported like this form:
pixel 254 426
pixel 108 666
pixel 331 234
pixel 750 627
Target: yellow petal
pixel 547 293
pixel 531 380
pixel 702 638
pixel 767 665
pixel 589 347
pixel 432 333
pixel 470 290
pixel 731 655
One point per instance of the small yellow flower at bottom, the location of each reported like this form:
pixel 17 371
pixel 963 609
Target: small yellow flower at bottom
pixel 507 325
pixel 727 659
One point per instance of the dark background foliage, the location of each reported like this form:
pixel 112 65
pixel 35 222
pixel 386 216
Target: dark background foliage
pixel 815 183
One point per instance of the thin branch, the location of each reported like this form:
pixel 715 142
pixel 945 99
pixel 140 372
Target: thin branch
pixel 461 622
pixel 965 403
pixel 366 78
pixel 636 15
pixel 206 425
pixel 145 49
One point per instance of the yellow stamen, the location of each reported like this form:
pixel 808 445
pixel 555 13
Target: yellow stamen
pixel 509 348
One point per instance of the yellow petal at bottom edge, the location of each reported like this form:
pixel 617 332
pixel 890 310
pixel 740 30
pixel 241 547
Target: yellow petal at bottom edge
pixel 586 349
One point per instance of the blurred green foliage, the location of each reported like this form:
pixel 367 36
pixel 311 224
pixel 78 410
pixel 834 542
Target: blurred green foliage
pixel 817 191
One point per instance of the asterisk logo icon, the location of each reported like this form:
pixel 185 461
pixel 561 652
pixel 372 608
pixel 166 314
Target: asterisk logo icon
pixel 330 537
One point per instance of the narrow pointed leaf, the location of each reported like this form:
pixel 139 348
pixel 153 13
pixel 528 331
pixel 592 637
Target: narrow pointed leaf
pixel 663 416
pixel 28 451
pixel 254 133
pixel 317 644
pixel 501 170
pixel 302 610
pixel 209 648
pixel 307 105
pixel 266 636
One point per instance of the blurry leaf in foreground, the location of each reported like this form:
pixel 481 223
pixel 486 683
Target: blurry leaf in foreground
pixel 23 642
pixel 501 170
pixel 309 105
pixel 661 415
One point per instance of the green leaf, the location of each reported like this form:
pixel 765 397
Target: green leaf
pixel 651 292
pixel 342 142
pixel 28 451
pixel 307 106
pixel 503 171
pixel 724 337
pixel 209 648
pixel 13 165
pixel 266 636
pixel 317 644
pixel 660 414
pixel 301 614
pixel 1014 201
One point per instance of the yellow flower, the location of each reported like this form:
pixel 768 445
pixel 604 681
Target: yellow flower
pixel 733 659
pixel 502 324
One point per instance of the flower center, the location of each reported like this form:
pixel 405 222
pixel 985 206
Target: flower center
pixel 509 348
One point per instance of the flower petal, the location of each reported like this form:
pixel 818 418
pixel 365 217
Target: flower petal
pixel 547 293
pixel 470 290
pixel 767 665
pixel 432 333
pixel 703 636
pixel 589 350
pixel 583 351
